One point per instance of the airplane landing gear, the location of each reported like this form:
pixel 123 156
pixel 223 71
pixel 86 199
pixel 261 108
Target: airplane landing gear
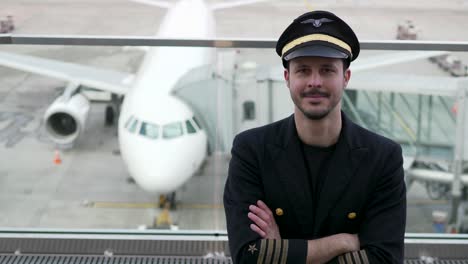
pixel 110 116
pixel 168 200
pixel 112 110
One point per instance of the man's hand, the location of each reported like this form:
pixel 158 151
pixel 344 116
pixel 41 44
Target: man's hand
pixel 351 242
pixel 264 221
pixel 325 249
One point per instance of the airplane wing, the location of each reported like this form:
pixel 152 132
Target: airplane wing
pixel 230 4
pixel 107 80
pixel 162 4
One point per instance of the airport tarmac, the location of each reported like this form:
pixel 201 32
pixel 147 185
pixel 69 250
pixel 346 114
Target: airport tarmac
pixel 90 188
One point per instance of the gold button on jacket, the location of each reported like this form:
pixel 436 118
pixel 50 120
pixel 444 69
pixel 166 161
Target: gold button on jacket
pixel 352 215
pixel 279 212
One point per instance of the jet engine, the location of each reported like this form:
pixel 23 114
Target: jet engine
pixel 65 118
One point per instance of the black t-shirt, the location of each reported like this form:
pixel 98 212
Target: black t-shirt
pixel 317 160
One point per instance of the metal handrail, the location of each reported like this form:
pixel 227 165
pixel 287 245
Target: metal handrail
pixel 100 40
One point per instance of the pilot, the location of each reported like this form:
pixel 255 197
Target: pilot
pixel 315 187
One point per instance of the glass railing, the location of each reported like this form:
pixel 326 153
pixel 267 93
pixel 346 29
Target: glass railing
pixel 108 179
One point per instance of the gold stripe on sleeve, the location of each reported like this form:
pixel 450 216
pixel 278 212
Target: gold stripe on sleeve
pixel 270 250
pixel 341 260
pixel 278 245
pixel 261 255
pixel 348 258
pixel 356 257
pixel 364 256
pixel 284 253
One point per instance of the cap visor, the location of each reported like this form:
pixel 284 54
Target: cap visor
pixel 316 51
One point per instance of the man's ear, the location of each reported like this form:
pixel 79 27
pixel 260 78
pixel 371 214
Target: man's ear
pixel 347 76
pixel 286 77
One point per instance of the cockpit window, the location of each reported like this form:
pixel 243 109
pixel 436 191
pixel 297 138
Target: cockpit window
pixel 128 122
pixel 172 130
pixel 190 128
pixel 196 122
pixel 149 130
pixel 133 126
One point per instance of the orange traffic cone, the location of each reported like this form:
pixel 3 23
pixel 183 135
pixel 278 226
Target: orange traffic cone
pixel 57 159
pixel 454 108
pixel 453 230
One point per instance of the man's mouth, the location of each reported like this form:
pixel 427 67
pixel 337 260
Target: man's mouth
pixel 315 95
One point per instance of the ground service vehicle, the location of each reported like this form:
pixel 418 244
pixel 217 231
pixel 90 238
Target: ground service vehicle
pixel 7 25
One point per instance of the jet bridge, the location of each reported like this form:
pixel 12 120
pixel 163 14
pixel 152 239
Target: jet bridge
pixel 429 125
pixel 425 114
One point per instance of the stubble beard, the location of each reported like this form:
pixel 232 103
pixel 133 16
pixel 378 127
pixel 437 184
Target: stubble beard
pixel 317 115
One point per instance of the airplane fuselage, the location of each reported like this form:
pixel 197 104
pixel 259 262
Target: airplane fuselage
pixel 163 159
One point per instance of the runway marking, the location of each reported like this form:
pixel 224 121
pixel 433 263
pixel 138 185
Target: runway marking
pixel 200 206
pixel 126 205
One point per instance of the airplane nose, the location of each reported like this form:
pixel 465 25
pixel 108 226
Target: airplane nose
pixel 163 166
pixel 160 180
pixel 161 172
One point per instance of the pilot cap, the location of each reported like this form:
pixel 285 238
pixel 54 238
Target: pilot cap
pixel 318 33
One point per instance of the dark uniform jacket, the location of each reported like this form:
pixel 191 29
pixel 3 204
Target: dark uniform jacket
pixel 363 193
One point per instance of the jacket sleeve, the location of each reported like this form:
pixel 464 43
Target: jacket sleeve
pixel 383 228
pixel 244 187
pixel 351 258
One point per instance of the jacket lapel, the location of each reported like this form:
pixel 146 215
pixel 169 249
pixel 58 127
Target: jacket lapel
pixel 289 164
pixel 344 163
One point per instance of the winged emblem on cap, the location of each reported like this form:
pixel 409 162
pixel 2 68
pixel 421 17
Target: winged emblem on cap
pixel 317 22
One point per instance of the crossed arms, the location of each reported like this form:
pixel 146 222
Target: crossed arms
pixel 319 250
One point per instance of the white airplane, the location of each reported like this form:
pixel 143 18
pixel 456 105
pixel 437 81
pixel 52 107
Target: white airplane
pixel 161 141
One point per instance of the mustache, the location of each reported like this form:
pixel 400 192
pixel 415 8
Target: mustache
pixel 314 92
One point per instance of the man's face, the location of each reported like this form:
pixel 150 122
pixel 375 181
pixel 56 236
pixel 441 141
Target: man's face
pixel 316 84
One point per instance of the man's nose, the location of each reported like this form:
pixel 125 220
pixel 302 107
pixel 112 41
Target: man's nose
pixel 315 80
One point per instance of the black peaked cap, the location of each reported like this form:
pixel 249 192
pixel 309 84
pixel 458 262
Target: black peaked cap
pixel 318 33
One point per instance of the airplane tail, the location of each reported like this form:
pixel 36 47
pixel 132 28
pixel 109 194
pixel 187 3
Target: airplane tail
pixel 231 4
pixel 225 5
pixel 158 3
